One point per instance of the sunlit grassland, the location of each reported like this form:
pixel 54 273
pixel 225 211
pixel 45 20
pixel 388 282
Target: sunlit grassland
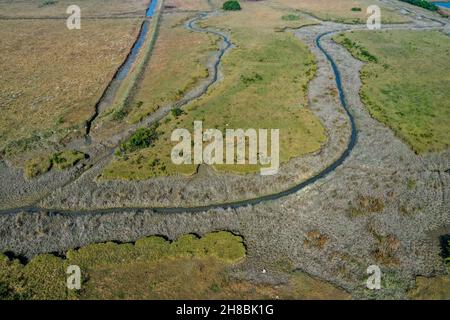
pixel 264 86
pixel 52 77
pixel 154 268
pixel 44 277
pixel 57 8
pixel 341 11
pixel 200 5
pixel 177 64
pixel 407 86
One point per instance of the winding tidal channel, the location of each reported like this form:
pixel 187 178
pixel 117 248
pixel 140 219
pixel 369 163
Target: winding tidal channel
pixel 227 44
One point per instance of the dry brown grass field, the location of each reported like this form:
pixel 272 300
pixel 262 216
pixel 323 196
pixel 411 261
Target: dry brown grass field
pixel 52 77
pixel 57 8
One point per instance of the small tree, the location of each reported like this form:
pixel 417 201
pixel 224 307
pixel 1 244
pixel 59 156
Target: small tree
pixel 231 5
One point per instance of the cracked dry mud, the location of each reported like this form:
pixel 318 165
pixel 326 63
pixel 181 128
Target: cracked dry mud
pixel 400 236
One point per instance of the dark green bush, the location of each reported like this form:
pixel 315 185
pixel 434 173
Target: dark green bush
pixel 231 5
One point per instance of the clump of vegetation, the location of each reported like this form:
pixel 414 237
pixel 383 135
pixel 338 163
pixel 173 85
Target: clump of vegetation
pixel 61 160
pixel 44 277
pixel 447 259
pixel 231 5
pixel 274 66
pixel 365 205
pixel 415 105
pixel 357 49
pixel 356 9
pixel 423 4
pixel 121 114
pixel 142 138
pixel 247 80
pixel 21 145
pixel 67 159
pixel 291 17
pixel 36 166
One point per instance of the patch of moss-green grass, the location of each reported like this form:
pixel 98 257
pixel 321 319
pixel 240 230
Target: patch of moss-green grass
pixel 406 83
pixel 37 166
pixel 67 159
pixel 231 5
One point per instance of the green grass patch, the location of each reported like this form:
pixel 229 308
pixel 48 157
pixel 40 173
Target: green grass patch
pixel 265 85
pixel 406 83
pixel 423 4
pixel 44 277
pixel 291 17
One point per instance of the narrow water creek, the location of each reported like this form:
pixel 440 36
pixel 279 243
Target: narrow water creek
pixel 108 95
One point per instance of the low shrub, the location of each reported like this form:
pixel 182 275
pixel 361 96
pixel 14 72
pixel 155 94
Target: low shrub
pixel 231 5
pixel 142 138
pixel 36 166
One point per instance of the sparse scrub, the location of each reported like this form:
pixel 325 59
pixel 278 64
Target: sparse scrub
pixel 356 49
pixel 386 250
pixel 265 66
pixel 61 160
